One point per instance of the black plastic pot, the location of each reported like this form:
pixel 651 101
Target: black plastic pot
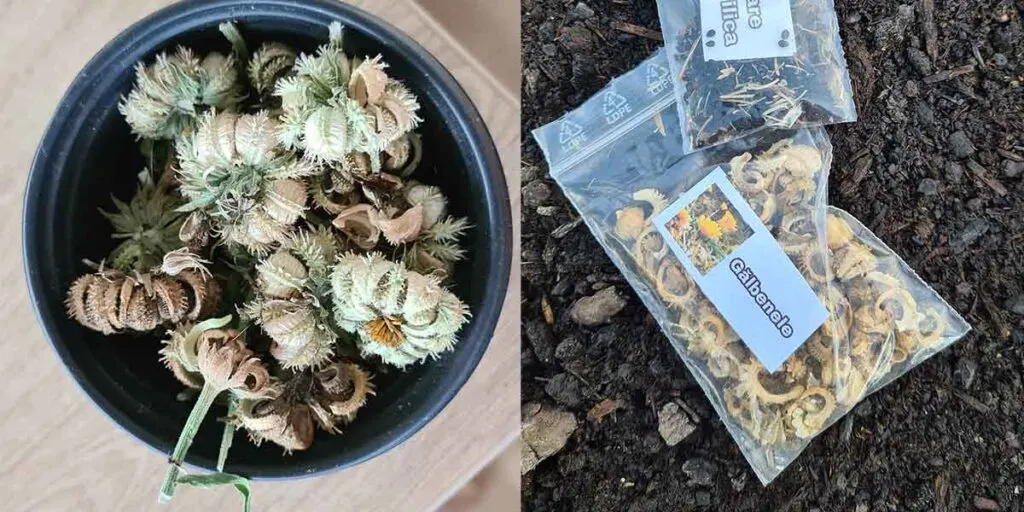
pixel 88 154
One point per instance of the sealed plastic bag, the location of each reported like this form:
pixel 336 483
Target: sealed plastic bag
pixel 628 176
pixel 740 67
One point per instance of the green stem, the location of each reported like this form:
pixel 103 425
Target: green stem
pixel 188 434
pixel 229 434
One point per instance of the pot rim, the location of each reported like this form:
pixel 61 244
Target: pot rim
pixel 183 17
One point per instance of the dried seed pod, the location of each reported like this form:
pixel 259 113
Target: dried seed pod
pixel 204 294
pixel 368 81
pixel 809 414
pixel 195 231
pixel 301 339
pixel 853 261
pixel 285 200
pixel 838 232
pixel 270 62
pixel 357 224
pixel 141 311
pixel 801 161
pixel 629 223
pixel 76 300
pixel 403 108
pixel 402 229
pixel 399 315
pixel 281 276
pixel 288 425
pixel 172 354
pixel 398 153
pixel 97 305
pixel 163 104
pixel 435 205
pixel 226 364
pixel 172 299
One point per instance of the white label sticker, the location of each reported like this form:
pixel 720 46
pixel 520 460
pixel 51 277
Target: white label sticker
pixel 741 269
pixel 747 29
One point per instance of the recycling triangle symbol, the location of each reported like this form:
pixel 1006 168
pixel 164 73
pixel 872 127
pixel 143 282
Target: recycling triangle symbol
pixel 656 74
pixel 570 131
pixel 612 102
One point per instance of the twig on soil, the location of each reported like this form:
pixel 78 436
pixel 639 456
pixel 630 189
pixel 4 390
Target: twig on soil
pixel 1008 155
pixel 950 74
pixel 637 30
pixel 931 33
pixel 972 402
pixel 986 178
pixel 976 49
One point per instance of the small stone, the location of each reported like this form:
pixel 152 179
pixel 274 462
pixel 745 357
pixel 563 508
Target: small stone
pixel 565 389
pixel 965 371
pixel 1012 169
pixel 576 38
pixel 954 172
pixel 919 61
pixel 999 60
pixel 544 433
pixel 961 145
pixel 988 504
pixel 598 308
pixel 569 349
pixel 974 230
pixel 536 193
pixel 911 89
pixel 538 335
pixel 549 49
pixel 925 114
pixel 1016 304
pixel 928 187
pixel 700 472
pixel 547 211
pixel 891 31
pixel 582 11
pixel 674 424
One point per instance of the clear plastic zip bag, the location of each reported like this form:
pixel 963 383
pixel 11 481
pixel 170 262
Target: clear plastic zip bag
pixel 743 67
pixel 621 173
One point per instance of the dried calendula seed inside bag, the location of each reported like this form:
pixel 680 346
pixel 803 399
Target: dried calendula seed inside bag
pixel 889 300
pixel 740 67
pixel 728 250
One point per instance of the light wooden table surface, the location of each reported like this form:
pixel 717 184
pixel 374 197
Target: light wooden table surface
pixel 58 452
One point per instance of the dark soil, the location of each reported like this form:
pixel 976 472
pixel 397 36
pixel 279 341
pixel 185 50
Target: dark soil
pixel 933 167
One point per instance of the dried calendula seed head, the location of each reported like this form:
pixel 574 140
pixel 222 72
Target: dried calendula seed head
pixel 140 312
pixel 285 200
pixel 195 231
pixel 281 275
pixel 435 206
pixel 356 222
pixel 630 222
pixel 260 230
pixel 750 386
pixel 98 304
pixel 345 388
pixel 403 107
pixel 301 338
pixel 368 81
pixel 289 425
pixel 837 232
pixel 402 229
pixel 270 62
pixel 815 266
pixel 226 364
pixel 399 315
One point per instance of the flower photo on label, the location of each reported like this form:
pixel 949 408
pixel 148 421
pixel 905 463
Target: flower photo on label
pixel 709 229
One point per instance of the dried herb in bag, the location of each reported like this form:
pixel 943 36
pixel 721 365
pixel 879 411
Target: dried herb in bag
pixel 743 67
pixel 625 177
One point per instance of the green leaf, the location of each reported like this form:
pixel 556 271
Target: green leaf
pixel 213 480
